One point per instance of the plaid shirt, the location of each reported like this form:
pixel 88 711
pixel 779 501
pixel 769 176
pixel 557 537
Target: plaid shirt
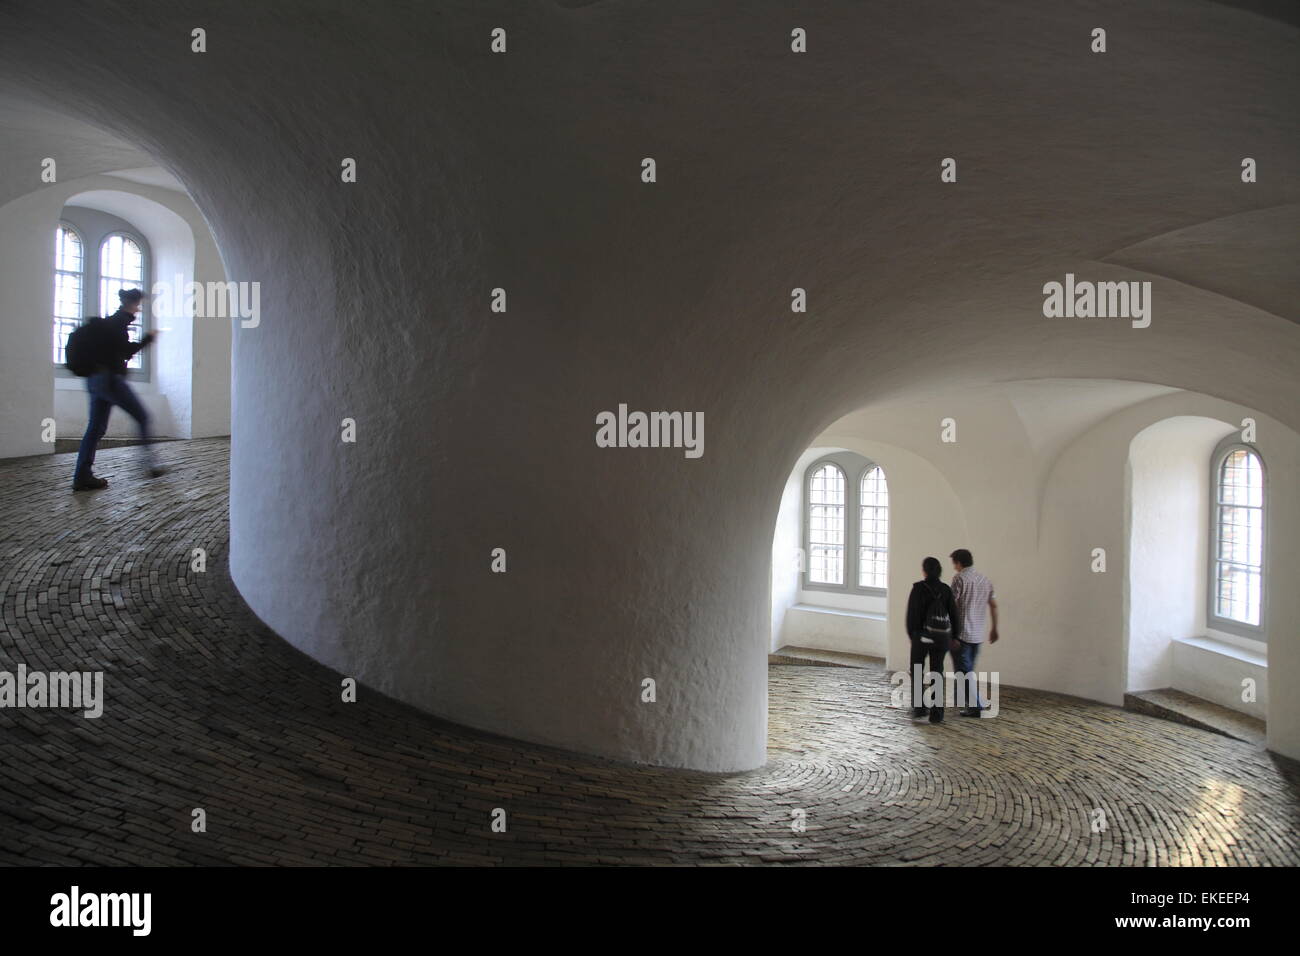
pixel 972 591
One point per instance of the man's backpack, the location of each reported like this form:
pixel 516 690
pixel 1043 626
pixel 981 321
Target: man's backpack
pixel 85 347
pixel 937 622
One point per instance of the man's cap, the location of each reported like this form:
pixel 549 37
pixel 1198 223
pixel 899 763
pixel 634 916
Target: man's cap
pixel 131 295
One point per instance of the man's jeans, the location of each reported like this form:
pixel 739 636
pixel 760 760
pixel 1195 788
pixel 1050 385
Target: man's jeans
pixel 107 390
pixel 964 656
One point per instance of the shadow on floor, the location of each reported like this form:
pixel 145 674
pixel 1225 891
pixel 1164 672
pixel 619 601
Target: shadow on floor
pixel 63 446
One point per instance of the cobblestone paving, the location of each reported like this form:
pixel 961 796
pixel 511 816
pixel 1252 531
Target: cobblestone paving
pixel 207 708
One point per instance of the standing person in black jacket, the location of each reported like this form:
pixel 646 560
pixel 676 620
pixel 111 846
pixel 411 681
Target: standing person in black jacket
pixel 108 387
pixel 932 620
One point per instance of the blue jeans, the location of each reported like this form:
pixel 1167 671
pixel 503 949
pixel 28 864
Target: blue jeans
pixel 107 390
pixel 964 656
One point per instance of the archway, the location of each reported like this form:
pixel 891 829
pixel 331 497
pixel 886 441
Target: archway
pixel 188 388
pixel 1173 641
pixel 925 518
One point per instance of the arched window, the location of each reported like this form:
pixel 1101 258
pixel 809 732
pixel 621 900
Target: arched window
pixel 121 266
pixel 846 525
pixel 68 292
pixel 873 530
pixel 1237 541
pixel 826 525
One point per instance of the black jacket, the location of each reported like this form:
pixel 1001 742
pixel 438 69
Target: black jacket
pixel 918 605
pixel 115 347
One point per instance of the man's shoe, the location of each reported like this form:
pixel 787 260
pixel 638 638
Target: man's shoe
pixel 936 716
pixel 89 484
pixel 155 472
pixel 918 712
pixel 971 712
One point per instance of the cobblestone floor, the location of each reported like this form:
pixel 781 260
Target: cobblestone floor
pixel 207 708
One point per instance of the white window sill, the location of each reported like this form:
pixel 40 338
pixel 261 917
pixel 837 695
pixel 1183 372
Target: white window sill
pixel 838 611
pixel 1224 649
pixel 75 383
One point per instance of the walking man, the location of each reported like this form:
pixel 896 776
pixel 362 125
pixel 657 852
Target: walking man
pixel 108 387
pixel 973 593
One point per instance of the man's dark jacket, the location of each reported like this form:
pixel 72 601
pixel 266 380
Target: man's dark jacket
pixel 918 605
pixel 115 347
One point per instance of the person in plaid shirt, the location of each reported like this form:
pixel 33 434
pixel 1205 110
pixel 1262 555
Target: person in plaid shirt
pixel 973 593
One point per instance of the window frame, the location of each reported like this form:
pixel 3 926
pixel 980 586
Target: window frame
pixel 854 467
pixel 81 275
pixel 857 519
pixel 1213 620
pixel 812 470
pixel 145 372
pixel 90 234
